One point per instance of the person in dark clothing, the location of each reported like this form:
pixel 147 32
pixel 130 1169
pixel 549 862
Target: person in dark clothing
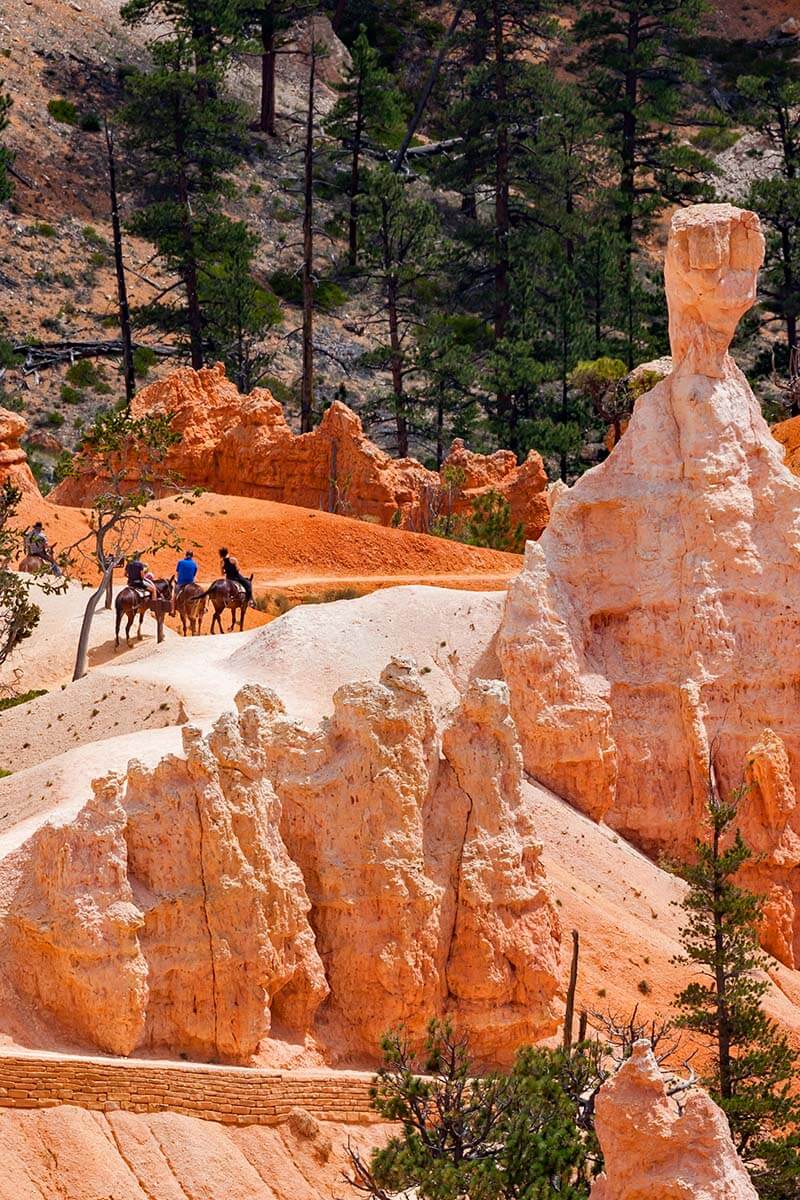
pixel 138 576
pixel 230 569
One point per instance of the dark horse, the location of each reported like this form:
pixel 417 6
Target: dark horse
pixel 131 601
pixel 190 605
pixel 227 593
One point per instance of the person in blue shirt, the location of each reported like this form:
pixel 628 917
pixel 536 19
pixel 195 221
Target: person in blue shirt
pixel 185 571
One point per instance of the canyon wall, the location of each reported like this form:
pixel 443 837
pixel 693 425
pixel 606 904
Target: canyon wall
pixel 243 446
pixel 276 882
pixel 653 631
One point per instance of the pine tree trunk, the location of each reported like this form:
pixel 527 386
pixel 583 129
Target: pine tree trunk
pixel 268 56
pixel 502 216
pixel 119 266
pixel 307 385
pixel 396 365
pixel 338 15
pixel 723 1020
pixel 628 174
pixel 355 180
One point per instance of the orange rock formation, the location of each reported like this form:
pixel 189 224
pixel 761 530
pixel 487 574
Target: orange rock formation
pixel 654 627
pixel 242 445
pixel 653 1147
pixel 13 460
pixel 198 904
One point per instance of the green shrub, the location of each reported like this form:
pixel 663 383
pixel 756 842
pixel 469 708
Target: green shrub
pixel 84 373
pixel 4 773
pixel 12 701
pixel 92 237
pixel 62 467
pixel 71 395
pixel 90 123
pixel 280 390
pixel 43 229
pixel 288 285
pixel 490 525
pixel 63 111
pixel 143 359
pixel 715 138
pixel 54 418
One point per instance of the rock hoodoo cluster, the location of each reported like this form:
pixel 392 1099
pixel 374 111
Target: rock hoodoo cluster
pixel 206 904
pixel 243 445
pixel 655 1146
pixel 13 460
pixel 652 634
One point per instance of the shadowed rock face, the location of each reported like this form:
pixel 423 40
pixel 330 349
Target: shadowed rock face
pixel 278 881
pixel 652 1147
pixel 654 626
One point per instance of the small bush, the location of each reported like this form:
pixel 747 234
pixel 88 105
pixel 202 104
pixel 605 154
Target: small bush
pixel 92 237
pixel 490 525
pixel 143 360
pixel 71 395
pixel 98 258
pixel 644 987
pixel 4 773
pixel 90 123
pixel 84 373
pixel 62 467
pixel 63 111
pixel 280 390
pixel 43 229
pixel 54 419
pixel 715 138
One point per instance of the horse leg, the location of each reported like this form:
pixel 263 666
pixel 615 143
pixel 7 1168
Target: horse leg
pixel 242 612
pixel 233 619
pixel 141 621
pixel 116 628
pixel 159 627
pixel 129 627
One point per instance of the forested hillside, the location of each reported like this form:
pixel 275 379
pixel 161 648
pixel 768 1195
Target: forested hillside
pixel 450 216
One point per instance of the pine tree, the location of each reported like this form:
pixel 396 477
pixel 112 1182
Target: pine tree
pixel 513 1136
pixel 637 78
pixel 183 141
pixel 6 157
pixel 773 107
pixel 753 1065
pixel 268 22
pixel 367 108
pixel 400 249
pixel 210 28
pixel 238 310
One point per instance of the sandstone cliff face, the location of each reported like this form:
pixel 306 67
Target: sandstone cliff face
pixel 13 459
pixel 276 881
pixel 654 1148
pixel 242 445
pixel 654 625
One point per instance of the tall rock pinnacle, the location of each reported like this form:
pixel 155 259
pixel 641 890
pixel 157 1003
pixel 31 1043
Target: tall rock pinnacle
pixel 655 628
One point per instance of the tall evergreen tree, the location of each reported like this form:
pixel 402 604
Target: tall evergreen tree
pixel 400 250
pixel 6 157
pixel 268 22
pixel 367 108
pixel 752 1064
pixel 183 141
pixel 238 311
pixel 637 78
pixel 209 27
pixel 773 107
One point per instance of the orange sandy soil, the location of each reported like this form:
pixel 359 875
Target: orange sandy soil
pixel 295 551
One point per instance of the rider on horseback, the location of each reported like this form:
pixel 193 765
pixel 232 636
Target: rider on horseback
pixel 36 543
pixel 139 577
pixel 185 572
pixel 230 569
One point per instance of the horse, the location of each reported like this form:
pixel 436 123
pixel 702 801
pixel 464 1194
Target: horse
pixel 227 593
pixel 38 564
pixel 190 605
pixel 131 601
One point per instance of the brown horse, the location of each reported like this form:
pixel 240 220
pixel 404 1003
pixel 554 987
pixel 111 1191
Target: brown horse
pixel 190 605
pixel 227 593
pixel 132 601
pixel 38 564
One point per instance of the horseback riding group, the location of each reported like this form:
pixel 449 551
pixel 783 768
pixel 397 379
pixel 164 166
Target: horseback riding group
pixel 144 593
pixel 183 595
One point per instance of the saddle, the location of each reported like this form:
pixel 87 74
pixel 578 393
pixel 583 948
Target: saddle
pixel 140 590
